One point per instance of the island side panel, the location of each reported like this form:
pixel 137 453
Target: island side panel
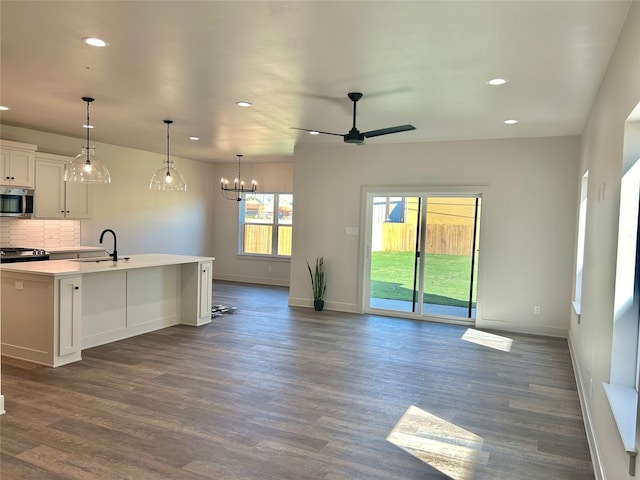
pixel 153 298
pixel 27 317
pixel 124 303
pixel 104 307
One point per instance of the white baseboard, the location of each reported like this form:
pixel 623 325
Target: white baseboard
pixel 277 282
pixel 544 330
pixel 334 306
pixel 586 415
pixel 2 410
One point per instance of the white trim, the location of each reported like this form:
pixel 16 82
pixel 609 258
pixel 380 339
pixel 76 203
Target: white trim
pixel 251 279
pixel 623 401
pixel 518 327
pixel 2 410
pixel 586 415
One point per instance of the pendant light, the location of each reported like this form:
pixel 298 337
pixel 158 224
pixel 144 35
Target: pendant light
pixel 86 167
pixel 238 191
pixel 168 178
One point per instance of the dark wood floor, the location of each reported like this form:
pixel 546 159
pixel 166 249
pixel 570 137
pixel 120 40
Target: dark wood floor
pixel 273 392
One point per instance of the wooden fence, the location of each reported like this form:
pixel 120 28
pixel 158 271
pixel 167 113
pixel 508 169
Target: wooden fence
pixel 445 239
pixel 257 239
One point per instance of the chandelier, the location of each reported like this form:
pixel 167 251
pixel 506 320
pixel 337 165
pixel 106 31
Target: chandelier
pixel 238 191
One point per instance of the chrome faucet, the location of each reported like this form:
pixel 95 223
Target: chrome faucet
pixel 115 244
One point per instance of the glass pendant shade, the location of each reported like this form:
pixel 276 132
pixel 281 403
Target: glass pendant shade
pixel 168 178
pixel 87 168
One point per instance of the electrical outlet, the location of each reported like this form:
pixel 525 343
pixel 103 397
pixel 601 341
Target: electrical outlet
pixel 536 309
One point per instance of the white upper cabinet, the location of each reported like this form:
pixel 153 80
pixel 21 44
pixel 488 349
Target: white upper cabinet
pixel 55 198
pixel 17 168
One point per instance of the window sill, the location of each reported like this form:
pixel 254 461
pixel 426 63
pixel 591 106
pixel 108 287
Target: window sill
pixel 576 307
pixel 623 401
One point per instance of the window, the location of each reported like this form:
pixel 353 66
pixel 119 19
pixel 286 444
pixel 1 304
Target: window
pixel 265 224
pixel 582 222
pixel 622 391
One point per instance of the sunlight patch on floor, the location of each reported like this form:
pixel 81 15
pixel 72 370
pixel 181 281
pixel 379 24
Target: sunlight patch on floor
pixel 446 447
pixel 488 339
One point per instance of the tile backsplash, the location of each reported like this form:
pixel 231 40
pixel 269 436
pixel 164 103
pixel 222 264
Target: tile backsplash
pixel 33 233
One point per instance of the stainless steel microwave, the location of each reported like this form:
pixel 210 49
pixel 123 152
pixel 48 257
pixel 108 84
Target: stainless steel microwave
pixel 16 202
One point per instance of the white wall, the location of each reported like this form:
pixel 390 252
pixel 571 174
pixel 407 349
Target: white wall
pixel 601 154
pixel 144 220
pixel 273 177
pixel 528 219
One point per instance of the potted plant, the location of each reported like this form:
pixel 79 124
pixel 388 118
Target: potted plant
pixel 318 283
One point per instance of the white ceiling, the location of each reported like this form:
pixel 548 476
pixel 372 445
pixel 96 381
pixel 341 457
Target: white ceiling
pixel 424 63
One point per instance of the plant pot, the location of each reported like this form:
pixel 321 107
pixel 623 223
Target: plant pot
pixel 318 305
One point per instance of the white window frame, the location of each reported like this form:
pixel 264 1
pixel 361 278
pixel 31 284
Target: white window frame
pixel 622 389
pixel 274 230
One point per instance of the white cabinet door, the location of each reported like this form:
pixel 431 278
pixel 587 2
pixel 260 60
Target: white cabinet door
pixel 205 290
pixel 17 167
pixel 49 197
pixel 76 200
pixel 55 198
pixel 70 315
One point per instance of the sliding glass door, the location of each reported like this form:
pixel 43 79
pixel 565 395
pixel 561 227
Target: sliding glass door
pixel 423 254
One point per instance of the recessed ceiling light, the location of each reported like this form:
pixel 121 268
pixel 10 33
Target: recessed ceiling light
pixel 511 121
pixel 95 42
pixel 313 132
pixel 243 104
pixel 2 107
pixel 497 81
pixel 194 138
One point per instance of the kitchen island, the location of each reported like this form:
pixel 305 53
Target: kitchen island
pixel 52 310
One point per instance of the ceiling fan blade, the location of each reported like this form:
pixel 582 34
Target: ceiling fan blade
pixel 387 131
pixel 319 131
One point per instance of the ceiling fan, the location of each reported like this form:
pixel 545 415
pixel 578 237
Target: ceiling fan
pixel 354 135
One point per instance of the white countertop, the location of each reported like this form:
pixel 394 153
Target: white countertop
pixel 75 266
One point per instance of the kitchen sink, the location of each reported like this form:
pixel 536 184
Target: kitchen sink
pixel 92 259
pixel 99 259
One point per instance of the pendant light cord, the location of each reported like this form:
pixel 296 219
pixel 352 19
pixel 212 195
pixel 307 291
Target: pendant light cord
pixel 168 122
pixel 88 126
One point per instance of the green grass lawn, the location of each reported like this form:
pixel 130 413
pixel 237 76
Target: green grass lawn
pixel 446 278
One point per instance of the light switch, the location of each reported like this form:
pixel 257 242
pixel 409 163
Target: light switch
pixel 351 231
pixel 19 286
